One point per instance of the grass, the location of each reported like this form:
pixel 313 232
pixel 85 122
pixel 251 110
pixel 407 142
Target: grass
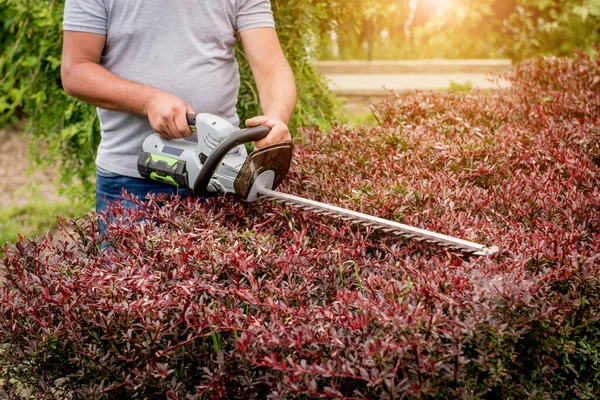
pixel 34 217
pixel 362 118
pixel 460 87
pixel 355 116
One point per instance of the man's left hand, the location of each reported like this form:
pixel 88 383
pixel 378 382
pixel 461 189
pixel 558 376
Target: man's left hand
pixel 279 130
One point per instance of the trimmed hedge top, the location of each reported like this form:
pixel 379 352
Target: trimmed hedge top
pixel 225 299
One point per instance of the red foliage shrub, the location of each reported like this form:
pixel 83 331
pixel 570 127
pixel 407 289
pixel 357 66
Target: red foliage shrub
pixel 222 299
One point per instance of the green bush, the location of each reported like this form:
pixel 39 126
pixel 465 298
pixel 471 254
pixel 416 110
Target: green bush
pixel 30 59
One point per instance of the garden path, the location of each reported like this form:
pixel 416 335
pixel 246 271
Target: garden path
pixel 364 83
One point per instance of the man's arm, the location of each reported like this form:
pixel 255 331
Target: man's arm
pixel 84 78
pixel 275 81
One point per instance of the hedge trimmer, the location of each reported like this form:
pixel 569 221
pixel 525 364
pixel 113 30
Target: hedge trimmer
pixel 217 164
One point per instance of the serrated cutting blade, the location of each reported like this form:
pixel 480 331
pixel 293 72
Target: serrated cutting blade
pixel 379 223
pixel 265 168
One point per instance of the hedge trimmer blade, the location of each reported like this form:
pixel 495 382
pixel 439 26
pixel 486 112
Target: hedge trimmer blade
pixel 388 226
pixel 264 170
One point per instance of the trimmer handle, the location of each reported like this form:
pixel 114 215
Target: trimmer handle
pixel 214 159
pixel 191 119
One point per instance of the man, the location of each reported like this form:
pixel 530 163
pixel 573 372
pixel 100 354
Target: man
pixel 147 63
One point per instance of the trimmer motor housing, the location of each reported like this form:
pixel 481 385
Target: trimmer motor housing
pixel 211 164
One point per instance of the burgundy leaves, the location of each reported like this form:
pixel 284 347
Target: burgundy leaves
pixel 222 299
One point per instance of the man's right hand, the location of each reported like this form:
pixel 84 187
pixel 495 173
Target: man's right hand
pixel 167 115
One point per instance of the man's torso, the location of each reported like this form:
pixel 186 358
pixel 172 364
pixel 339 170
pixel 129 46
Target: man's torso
pixel 184 47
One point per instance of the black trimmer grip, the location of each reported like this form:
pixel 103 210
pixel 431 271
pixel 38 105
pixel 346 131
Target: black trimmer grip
pixel 191 119
pixel 214 159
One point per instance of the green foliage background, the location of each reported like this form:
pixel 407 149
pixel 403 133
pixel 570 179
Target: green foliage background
pixel 65 131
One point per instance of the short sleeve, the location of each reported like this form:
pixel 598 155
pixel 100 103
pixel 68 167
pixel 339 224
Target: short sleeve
pixel 254 14
pixel 85 16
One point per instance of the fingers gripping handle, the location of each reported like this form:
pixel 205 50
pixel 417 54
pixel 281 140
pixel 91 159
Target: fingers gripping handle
pixel 214 159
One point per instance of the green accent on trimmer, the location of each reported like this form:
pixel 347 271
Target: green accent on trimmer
pixel 165 179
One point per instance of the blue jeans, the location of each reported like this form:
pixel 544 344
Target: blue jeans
pixel 109 186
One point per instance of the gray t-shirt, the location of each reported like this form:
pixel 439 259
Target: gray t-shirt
pixel 184 47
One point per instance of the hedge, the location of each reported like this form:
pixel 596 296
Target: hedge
pixel 222 299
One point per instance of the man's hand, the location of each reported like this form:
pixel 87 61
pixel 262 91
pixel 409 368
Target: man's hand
pixel 279 130
pixel 167 115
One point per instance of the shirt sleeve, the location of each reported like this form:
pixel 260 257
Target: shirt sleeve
pixel 254 14
pixel 85 16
